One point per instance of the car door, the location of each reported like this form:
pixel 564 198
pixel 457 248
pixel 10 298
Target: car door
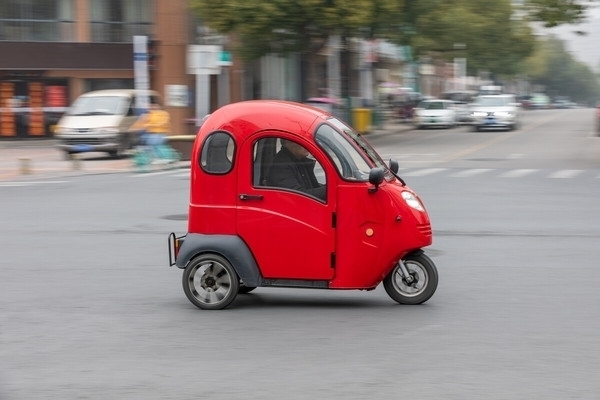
pixel 290 233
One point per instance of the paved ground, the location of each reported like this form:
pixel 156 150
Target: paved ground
pixel 26 159
pixel 38 158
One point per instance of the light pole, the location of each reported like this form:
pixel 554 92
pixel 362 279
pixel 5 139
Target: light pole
pixel 460 68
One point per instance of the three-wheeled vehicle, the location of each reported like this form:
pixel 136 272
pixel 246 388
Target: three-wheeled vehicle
pixel 365 227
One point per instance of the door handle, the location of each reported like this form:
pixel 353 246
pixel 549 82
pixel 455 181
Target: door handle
pixel 250 197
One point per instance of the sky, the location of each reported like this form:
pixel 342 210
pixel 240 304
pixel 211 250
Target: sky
pixel 583 48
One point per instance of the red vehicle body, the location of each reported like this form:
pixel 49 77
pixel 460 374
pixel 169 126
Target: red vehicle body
pixel 243 234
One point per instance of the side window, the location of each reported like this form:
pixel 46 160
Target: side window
pixel 216 156
pixel 286 164
pixel 131 108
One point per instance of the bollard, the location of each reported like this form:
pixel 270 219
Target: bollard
pixel 25 166
pixel 75 162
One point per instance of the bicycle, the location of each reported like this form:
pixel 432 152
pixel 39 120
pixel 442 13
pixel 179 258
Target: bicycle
pixel 145 156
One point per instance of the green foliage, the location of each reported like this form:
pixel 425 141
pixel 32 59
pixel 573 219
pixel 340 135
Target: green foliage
pixel 497 37
pixel 282 26
pixel 556 12
pixel 552 66
pixel 495 41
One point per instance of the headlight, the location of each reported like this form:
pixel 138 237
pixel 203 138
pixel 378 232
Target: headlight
pixel 478 114
pixel 412 201
pixel 504 114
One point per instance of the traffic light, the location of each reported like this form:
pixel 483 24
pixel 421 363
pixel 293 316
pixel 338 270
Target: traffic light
pixel 152 53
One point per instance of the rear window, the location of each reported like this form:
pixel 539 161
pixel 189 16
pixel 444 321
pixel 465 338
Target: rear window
pixel 216 156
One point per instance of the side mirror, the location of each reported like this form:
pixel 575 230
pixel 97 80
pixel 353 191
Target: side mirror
pixel 376 176
pixel 394 166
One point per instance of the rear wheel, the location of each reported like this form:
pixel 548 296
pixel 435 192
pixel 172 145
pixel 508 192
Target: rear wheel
pixel 424 280
pixel 210 282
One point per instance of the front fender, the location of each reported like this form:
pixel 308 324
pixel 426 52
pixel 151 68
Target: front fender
pixel 231 247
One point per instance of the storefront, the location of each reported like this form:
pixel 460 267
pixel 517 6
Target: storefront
pixel 30 105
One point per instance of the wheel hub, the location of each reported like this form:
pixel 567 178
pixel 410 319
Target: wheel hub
pixel 209 282
pixel 413 281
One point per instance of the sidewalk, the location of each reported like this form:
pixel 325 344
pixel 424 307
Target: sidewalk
pixel 38 158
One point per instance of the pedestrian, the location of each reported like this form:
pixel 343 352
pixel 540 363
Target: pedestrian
pixel 155 126
pixel 293 169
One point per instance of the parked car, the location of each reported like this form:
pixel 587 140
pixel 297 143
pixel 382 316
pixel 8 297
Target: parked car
pixel 461 99
pixel 539 101
pixel 435 112
pixel 495 111
pixel 99 121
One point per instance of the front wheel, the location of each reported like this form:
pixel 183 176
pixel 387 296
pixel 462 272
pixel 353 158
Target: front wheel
pixel 424 280
pixel 210 282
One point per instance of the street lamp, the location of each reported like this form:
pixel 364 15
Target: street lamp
pixel 460 68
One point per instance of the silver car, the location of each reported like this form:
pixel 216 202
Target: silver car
pixel 434 112
pixel 495 111
pixel 99 121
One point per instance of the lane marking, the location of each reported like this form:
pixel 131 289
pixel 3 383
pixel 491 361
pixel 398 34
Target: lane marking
pixel 565 173
pixel 426 171
pixel 471 172
pixel 517 173
pixel 28 183
pixel 497 139
pixel 153 173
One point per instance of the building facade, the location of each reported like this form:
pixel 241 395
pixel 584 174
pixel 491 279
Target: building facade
pixel 51 51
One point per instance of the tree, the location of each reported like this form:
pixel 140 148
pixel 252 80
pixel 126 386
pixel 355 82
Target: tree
pixel 556 12
pixel 552 66
pixel 302 26
pixel 283 26
pixel 497 39
pixel 494 40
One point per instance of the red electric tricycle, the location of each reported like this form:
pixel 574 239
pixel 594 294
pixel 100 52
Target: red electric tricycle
pixel 365 227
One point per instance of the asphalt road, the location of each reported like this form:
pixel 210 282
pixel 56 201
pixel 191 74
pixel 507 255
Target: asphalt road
pixel 89 308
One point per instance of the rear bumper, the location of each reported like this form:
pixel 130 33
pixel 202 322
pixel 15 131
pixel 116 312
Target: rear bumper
pixel 174 243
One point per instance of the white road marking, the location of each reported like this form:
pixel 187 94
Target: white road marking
pixel 28 183
pixel 422 172
pixel 517 173
pixel 470 172
pixel 154 173
pixel 565 173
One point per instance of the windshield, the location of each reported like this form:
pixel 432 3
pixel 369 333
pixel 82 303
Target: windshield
pixel 432 105
pixel 99 105
pixel 351 163
pixel 493 101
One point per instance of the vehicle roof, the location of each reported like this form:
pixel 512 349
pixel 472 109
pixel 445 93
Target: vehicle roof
pixel 118 92
pixel 444 100
pixel 496 95
pixel 244 118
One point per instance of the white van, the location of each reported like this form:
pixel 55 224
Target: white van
pixel 99 122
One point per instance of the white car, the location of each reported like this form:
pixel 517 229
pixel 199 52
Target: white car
pixel 495 111
pixel 435 112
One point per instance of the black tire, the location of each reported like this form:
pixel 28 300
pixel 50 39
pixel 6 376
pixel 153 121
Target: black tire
pixel 210 282
pixel 245 289
pixel 425 275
